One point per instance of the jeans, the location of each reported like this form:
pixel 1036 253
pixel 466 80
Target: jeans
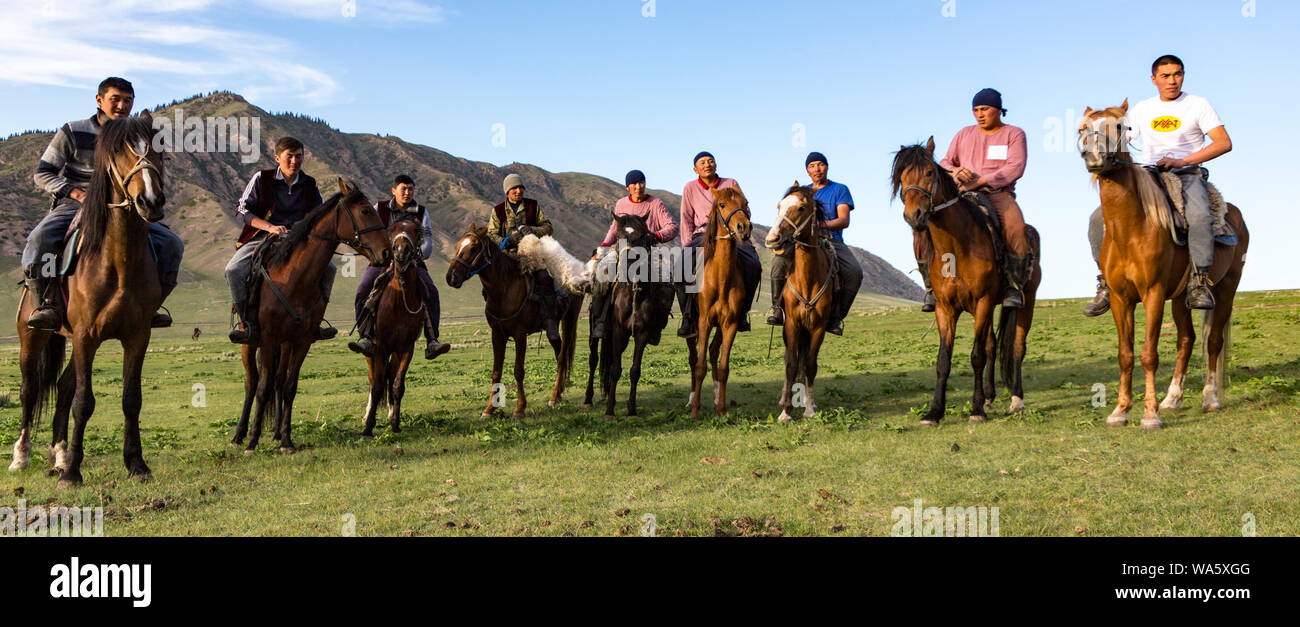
pixel 1200 222
pixel 49 238
pixel 241 266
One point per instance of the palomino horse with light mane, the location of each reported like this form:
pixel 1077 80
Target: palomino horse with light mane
pixel 399 318
pixel 808 296
pixel 112 295
pixel 721 300
pixel 1141 263
pixel 965 279
pixel 512 313
pixel 291 305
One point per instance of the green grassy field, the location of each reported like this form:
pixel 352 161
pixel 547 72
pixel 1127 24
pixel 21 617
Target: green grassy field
pixel 1055 469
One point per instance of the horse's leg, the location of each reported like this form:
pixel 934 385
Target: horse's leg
pixel 288 392
pixel 592 362
pixel 790 336
pixel 634 375
pixel 83 405
pixel 722 368
pixel 250 392
pixel 979 357
pixel 947 322
pixel 521 351
pixel 991 361
pixel 29 357
pixel 281 380
pixel 1218 339
pixel 62 407
pixel 699 367
pixel 1123 313
pixel 1154 303
pixel 375 367
pixel 715 346
pixel 498 363
pixel 133 351
pixel 1024 319
pixel 815 339
pixel 401 364
pixel 267 356
pixel 1186 340
pixel 614 365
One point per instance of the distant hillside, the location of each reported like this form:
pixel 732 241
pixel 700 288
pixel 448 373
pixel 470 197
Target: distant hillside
pixel 203 189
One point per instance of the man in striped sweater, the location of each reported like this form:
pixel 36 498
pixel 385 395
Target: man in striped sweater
pixel 64 172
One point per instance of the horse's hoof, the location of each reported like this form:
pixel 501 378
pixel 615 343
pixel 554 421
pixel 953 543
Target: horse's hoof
pixel 550 403
pixel 929 422
pixel 1210 407
pixel 65 484
pixel 142 477
pixel 1017 405
pixel 248 452
pixel 517 415
pixel 17 465
pixel 1114 421
pixel 485 415
pixel 784 418
pixel 608 416
pixel 1152 423
pixel 586 403
pixel 988 404
pixel 1170 403
pixel 288 450
pixel 976 419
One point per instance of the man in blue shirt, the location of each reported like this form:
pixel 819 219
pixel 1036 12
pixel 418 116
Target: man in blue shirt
pixel 835 202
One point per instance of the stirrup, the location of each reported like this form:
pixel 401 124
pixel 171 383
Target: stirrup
pixel 777 317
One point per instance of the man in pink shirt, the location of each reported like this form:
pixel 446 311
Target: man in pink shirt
pixel 657 218
pixel 697 204
pixel 989 157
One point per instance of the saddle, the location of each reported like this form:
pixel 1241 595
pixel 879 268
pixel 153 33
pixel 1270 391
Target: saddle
pixel 259 273
pixel 1169 183
pixel 987 214
pixel 67 261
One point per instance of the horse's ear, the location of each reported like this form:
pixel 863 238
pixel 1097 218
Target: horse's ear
pixel 715 192
pixel 1124 107
pixel 929 145
pixel 1088 111
pixel 472 226
pixel 146 116
pixel 343 187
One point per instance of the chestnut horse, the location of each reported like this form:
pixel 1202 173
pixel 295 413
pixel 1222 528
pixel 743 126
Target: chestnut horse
pixel 964 273
pixel 291 305
pixel 808 297
pixel 399 319
pixel 721 298
pixel 1141 263
pixel 512 313
pixel 111 296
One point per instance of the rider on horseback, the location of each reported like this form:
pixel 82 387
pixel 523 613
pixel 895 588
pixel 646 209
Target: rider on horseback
pixel 836 202
pixel 1173 126
pixel 657 218
pixel 402 204
pixel 989 157
pixel 697 205
pixel 510 222
pixel 273 201
pixel 64 172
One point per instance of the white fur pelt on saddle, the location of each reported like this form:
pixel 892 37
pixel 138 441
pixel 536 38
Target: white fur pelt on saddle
pixel 1175 188
pixel 544 253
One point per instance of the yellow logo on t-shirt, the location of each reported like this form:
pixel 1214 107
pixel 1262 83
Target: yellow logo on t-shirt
pixel 1166 123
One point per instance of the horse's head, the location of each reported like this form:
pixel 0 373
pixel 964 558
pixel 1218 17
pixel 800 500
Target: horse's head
pixel 731 208
pixel 362 231
pixel 125 151
pixel 797 211
pixel 1103 138
pixel 405 235
pixel 633 229
pixel 921 184
pixel 474 251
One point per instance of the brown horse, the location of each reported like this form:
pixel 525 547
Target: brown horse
pixel 966 278
pixel 512 313
pixel 1140 263
pixel 808 296
pixel 638 310
pixel 291 305
pixel 112 295
pixel 721 300
pixel 399 318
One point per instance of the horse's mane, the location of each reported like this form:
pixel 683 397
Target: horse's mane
pixel 711 231
pixel 636 220
pixel 113 136
pixel 279 252
pixel 1149 194
pixel 917 156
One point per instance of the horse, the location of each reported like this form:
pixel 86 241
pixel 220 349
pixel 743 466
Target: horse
pixel 512 313
pixel 967 279
pixel 638 310
pixel 1140 262
pixel 290 304
pixel 721 298
pixel 397 325
pixel 808 296
pixel 111 296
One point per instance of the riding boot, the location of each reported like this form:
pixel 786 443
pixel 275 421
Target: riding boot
pixel 1016 275
pixel 46 316
pixel 163 319
pixel 776 317
pixel 246 329
pixel 597 314
pixel 1101 302
pixel 550 309
pixel 433 347
pixel 1199 294
pixel 928 304
pixel 686 304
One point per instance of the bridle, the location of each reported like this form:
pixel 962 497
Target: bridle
pixel 355 243
pixel 1109 158
pixel 142 163
pixel 726 223
pixel 923 217
pixel 485 252
pixel 793 236
pixel 400 268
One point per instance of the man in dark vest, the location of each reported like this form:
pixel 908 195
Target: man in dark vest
pixel 64 173
pixel 273 201
pixel 510 222
pixel 402 204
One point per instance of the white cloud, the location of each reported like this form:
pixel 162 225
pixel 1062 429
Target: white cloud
pixel 76 43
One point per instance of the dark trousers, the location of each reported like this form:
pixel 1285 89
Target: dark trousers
pixel 751 269
pixel 431 300
pixel 48 238
pixel 848 271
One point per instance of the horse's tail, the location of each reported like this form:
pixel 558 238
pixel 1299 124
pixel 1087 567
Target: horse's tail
pixel 1005 344
pixel 48 368
pixel 568 342
pixel 1220 367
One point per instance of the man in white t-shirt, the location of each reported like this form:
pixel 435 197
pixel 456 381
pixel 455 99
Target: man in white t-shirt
pixel 1173 127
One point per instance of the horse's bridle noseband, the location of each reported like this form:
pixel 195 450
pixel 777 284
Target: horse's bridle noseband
pixel 1109 158
pixel 485 251
pixel 726 224
pixel 355 243
pixel 923 217
pixel 142 163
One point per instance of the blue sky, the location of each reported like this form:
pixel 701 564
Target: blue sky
pixel 597 86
